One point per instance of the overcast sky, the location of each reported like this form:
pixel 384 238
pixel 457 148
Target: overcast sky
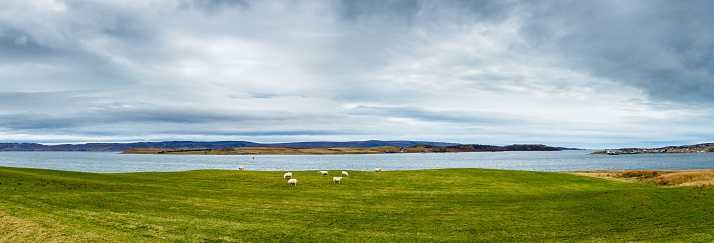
pixel 589 74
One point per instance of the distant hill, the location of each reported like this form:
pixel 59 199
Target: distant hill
pixel 564 148
pixel 342 150
pixel 357 144
pixel 515 147
pixel 189 145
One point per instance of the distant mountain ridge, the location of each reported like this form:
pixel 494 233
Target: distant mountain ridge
pixel 514 147
pixel 368 150
pixel 190 145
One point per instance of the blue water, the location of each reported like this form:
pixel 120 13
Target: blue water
pixel 113 162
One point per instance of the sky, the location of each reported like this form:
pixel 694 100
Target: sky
pixel 586 74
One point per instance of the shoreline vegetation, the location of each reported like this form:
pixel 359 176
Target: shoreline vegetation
pixel 455 205
pixel 369 150
pixel 695 178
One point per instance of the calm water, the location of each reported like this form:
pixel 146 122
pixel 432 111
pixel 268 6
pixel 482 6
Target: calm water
pixel 111 162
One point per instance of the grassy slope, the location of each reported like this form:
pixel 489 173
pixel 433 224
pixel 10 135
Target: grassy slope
pixel 432 205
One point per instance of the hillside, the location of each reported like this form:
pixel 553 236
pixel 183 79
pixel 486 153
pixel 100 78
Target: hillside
pixel 370 150
pixel 189 145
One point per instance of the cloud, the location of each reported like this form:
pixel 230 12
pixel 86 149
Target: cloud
pixel 211 6
pixel 656 46
pixel 391 10
pixel 498 72
pixel 21 41
pixel 448 116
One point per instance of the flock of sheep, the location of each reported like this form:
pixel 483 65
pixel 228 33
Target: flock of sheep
pixel 293 181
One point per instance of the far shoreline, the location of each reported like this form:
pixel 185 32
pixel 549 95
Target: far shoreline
pixel 367 150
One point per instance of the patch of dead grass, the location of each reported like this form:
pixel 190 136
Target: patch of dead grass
pixel 697 178
pixel 13 229
pixel 701 178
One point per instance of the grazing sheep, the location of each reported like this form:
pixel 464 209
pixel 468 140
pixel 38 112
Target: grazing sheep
pixel 241 168
pixel 344 173
pixel 292 182
pixel 378 170
pixel 289 174
pixel 322 172
pixel 337 180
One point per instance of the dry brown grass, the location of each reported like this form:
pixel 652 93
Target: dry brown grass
pixel 13 229
pixel 697 178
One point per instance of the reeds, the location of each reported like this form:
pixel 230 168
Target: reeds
pixel 697 178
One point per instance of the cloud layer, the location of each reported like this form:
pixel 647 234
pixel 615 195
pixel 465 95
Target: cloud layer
pixel 585 74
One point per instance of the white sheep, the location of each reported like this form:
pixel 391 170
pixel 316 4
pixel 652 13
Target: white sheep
pixel 378 170
pixel 289 174
pixel 241 168
pixel 344 173
pixel 292 182
pixel 337 180
pixel 322 172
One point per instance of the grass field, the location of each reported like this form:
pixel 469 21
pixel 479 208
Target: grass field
pixel 467 205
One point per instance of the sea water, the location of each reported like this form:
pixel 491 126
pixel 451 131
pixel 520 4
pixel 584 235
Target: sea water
pixel 115 162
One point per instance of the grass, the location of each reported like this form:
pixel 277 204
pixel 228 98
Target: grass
pixel 461 205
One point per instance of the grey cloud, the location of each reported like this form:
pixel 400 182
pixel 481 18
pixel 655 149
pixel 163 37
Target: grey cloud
pixel 408 12
pixel 262 133
pixel 65 24
pixel 14 102
pixel 211 6
pixel 263 95
pixel 454 116
pixel 168 122
pixel 659 46
pixel 172 115
pixel 353 10
pixel 49 50
pixel 37 68
pixel 487 8
pixel 21 41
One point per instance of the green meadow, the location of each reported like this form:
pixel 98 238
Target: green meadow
pixel 454 205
